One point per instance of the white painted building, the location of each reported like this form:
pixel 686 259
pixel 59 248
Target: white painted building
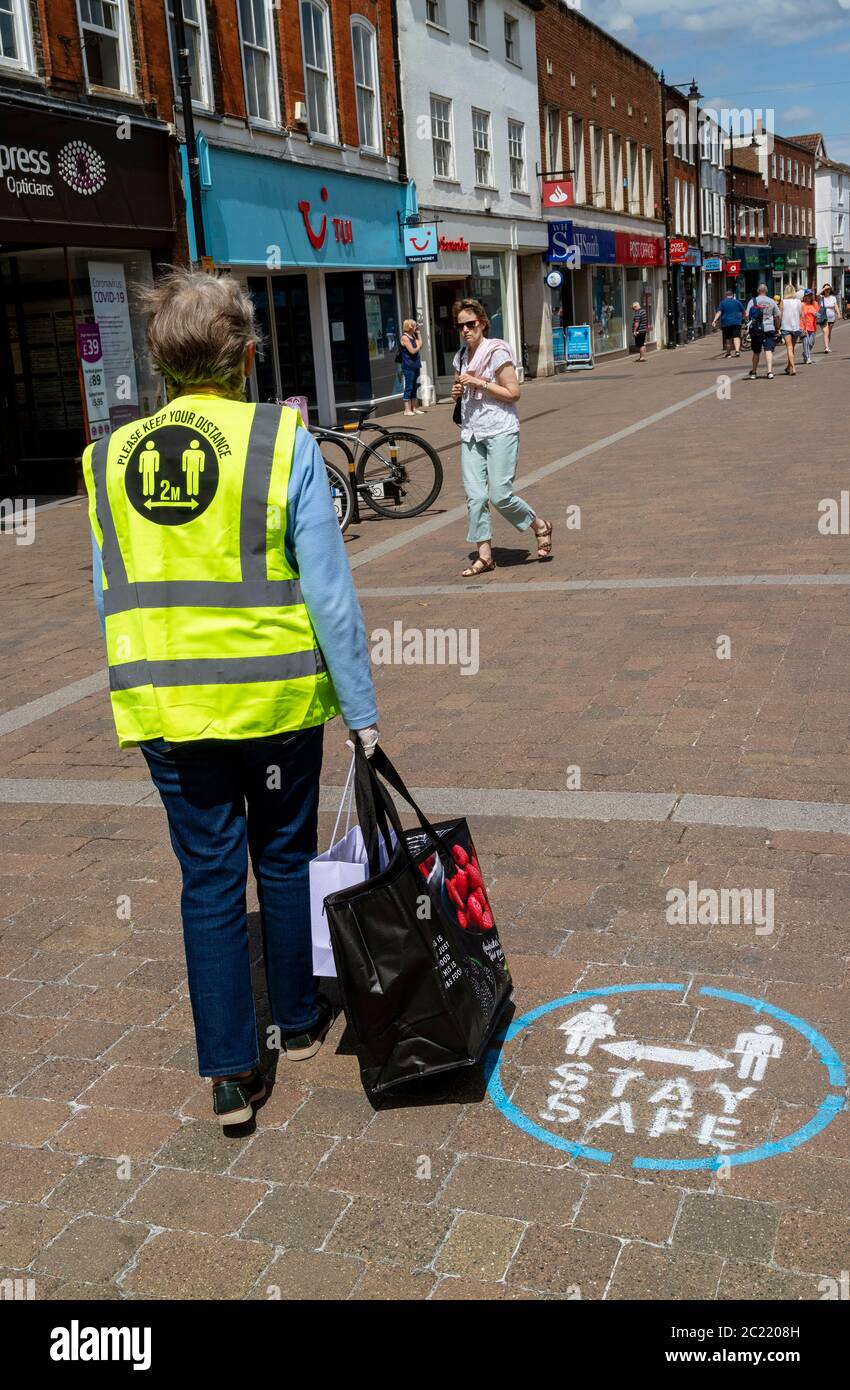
pixel 469 79
pixel 832 212
pixel 712 144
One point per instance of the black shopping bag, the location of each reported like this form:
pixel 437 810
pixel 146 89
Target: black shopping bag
pixel 420 966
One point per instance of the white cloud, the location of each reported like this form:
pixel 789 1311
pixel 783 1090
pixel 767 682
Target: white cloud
pixel 798 113
pixel 770 21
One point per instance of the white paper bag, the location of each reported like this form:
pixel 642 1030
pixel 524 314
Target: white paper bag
pixel 341 866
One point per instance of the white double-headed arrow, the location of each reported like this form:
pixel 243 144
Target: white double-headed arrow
pixel 701 1060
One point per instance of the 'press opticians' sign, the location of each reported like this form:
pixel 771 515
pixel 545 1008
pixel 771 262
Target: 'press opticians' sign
pixel 83 174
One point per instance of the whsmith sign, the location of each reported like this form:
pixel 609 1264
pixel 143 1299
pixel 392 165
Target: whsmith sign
pixel 89 182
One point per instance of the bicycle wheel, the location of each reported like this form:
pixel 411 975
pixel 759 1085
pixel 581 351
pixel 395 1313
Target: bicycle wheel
pixel 399 475
pixel 341 494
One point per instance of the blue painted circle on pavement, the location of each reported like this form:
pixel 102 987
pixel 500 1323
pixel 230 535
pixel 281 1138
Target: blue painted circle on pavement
pixel 831 1105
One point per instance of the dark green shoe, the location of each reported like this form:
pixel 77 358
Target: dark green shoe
pixel 233 1101
pixel 300 1046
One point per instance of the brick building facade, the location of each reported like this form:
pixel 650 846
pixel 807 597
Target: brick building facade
pixel 601 129
pixel 300 150
pixel 681 129
pixel 791 207
pixel 90 203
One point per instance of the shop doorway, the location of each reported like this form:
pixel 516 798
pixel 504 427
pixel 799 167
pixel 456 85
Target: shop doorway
pixel 444 293
pixel 285 365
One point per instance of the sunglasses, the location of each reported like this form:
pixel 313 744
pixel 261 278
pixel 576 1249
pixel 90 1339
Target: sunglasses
pixel 467 323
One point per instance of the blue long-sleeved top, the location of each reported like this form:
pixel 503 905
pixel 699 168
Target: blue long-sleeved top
pixel 314 548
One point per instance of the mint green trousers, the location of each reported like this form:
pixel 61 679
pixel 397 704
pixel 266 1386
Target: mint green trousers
pixel 488 468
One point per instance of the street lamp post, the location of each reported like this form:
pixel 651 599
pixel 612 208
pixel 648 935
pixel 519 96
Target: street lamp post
pixel 184 82
pixel 672 327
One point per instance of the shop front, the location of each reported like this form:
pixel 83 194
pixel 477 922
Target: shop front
pixel 756 268
pixel 320 252
pixel 83 219
pixel 712 282
pixel 687 291
pixel 790 266
pixel 605 272
pixel 478 258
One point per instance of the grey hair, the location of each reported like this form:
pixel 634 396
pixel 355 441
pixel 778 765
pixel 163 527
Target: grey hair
pixel 199 328
pixel 762 289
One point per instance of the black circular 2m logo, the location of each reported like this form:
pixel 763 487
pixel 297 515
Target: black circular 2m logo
pixel 171 475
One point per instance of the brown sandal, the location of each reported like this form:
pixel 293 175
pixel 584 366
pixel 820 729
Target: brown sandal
pixel 544 542
pixel 477 567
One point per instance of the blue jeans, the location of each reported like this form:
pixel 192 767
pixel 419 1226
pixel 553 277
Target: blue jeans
pixel 411 380
pixel 205 787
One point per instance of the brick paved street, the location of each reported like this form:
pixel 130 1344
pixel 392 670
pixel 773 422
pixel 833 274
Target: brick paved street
pixel 700 523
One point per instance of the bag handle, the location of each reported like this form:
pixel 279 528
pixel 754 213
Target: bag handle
pixel 347 792
pixel 368 787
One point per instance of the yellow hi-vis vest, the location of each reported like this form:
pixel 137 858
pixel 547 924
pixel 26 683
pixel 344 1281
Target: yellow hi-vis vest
pixel 207 634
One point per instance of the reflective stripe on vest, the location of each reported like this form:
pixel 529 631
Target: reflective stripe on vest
pixel 207 632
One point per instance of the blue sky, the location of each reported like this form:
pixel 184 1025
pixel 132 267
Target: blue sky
pixel 790 57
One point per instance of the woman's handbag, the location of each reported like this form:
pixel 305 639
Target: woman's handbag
pixel 822 316
pixel 457 413
pixel 420 966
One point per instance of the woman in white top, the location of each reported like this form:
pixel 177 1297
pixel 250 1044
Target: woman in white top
pixel 791 327
pixel 487 390
pixel 829 304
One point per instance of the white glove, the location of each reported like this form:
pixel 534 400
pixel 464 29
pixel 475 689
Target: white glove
pixel 368 737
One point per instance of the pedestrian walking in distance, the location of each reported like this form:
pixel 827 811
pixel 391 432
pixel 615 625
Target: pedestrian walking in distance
pixel 764 319
pixel 808 324
pixel 487 390
pixel 827 315
pixel 791 323
pixel 411 365
pixel 230 642
pixel 731 315
pixel 639 330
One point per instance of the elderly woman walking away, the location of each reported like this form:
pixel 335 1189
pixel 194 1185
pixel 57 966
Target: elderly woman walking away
pixel 233 634
pixel 486 391
pixel 411 364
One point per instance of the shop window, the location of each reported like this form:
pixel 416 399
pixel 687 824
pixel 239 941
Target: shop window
pixel 511 39
pixel 48 298
pixel 366 84
pixel 315 38
pixel 106 44
pixel 364 334
pixel 634 190
pixel 648 183
pixel 487 286
pixel 441 137
pixel 597 165
pixel 481 148
pixel 577 157
pixel 516 155
pixel 285 365
pixel 553 140
pixel 198 44
pixel 616 172
pixel 16 36
pixel 609 326
pixel 258 61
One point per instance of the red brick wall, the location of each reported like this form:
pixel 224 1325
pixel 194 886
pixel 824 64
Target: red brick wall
pixel 787 192
pixel 574 45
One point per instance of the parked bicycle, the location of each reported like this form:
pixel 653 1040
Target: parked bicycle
pixel 396 472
